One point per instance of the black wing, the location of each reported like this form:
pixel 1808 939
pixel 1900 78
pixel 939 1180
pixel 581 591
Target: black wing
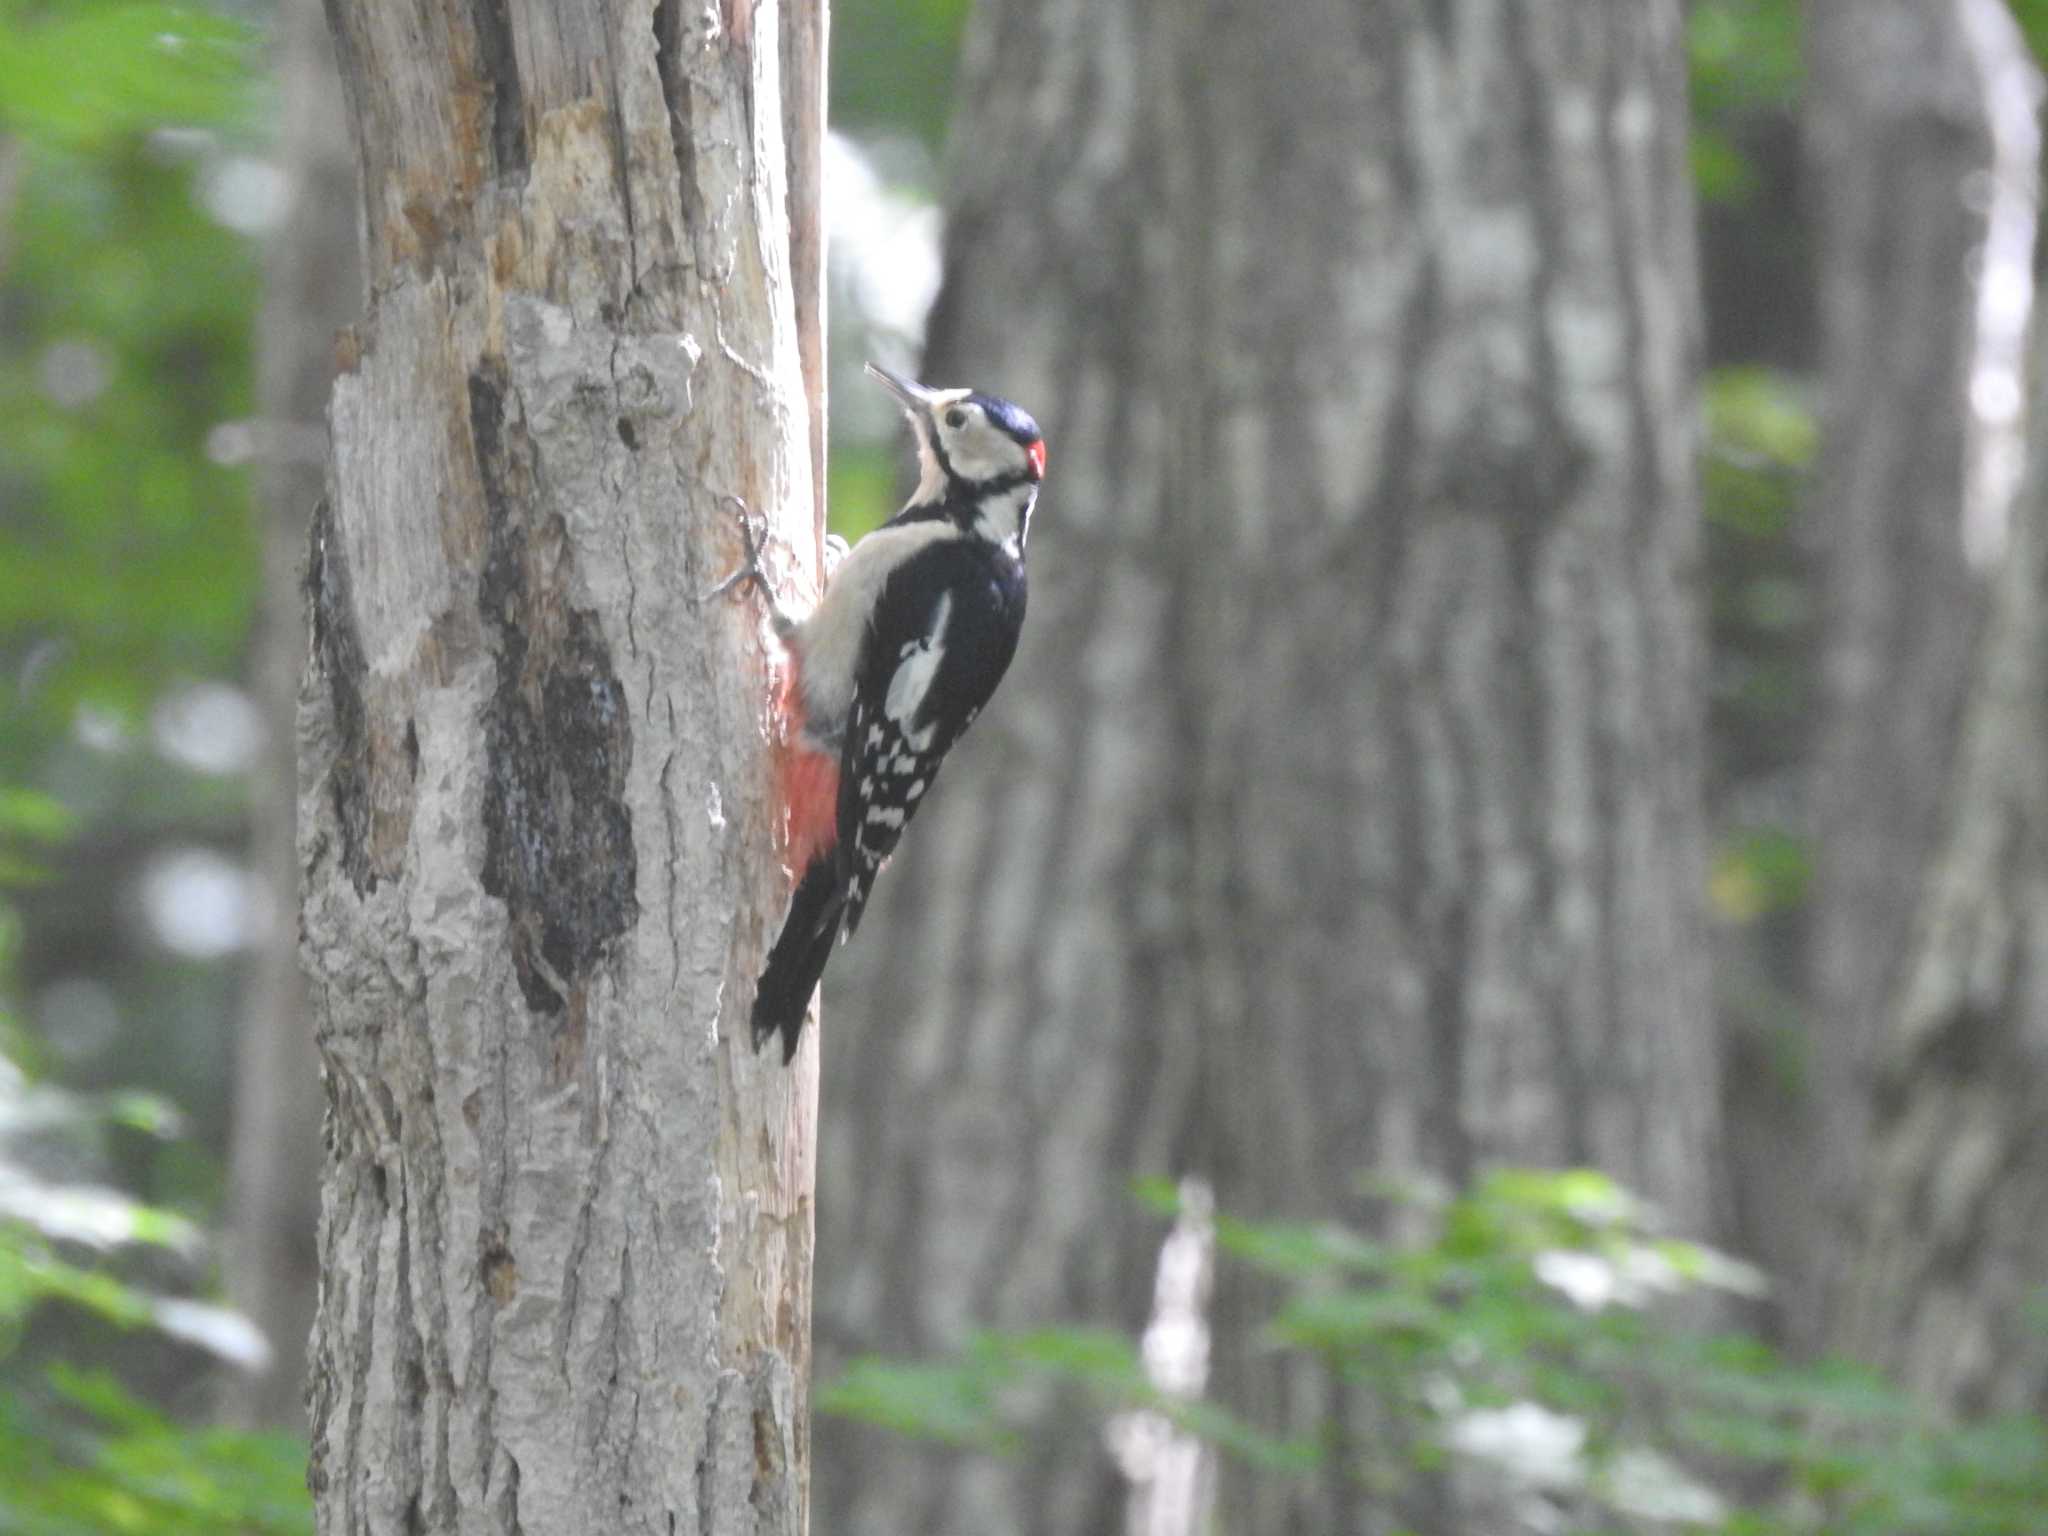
pixel 945 630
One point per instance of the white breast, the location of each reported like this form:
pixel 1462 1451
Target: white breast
pixel 830 640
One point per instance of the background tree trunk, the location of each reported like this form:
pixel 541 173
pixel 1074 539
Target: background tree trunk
pixel 1943 1284
pixel 314 286
pixel 566 1227
pixel 1917 158
pixel 1343 809
pixel 1950 1236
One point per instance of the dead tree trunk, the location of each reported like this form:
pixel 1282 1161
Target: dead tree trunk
pixel 1924 152
pixel 313 289
pixel 566 1229
pixel 1342 810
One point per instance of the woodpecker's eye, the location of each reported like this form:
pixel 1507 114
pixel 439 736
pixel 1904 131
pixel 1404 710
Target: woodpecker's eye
pixel 956 418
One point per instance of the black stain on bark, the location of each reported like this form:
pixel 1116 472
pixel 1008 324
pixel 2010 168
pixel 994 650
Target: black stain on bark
pixel 675 93
pixel 558 839
pixel 500 66
pixel 338 652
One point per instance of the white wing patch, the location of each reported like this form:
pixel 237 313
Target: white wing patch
pixel 914 673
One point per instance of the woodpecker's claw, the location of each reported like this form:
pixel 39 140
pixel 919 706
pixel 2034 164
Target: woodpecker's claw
pixel 749 569
pixel 752 570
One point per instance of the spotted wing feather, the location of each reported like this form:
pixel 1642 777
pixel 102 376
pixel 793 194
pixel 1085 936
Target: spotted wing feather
pixel 928 671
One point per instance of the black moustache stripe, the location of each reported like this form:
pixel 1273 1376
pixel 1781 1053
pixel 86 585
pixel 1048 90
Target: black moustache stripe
pixel 931 435
pixel 1010 482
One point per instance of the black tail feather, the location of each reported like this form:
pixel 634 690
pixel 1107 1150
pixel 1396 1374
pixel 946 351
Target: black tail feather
pixel 798 958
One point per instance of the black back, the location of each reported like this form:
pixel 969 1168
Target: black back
pixel 879 761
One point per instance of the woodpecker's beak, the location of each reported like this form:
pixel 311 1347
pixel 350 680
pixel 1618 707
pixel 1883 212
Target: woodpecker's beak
pixel 913 395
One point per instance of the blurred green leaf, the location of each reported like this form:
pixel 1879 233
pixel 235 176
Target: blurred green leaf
pixel 863 488
pixel 1356 1319
pixel 1762 437
pixel 1160 1196
pixel 1082 1352
pixel 949 1404
pixel 111 1463
pixel 30 813
pixel 83 74
pixel 1745 63
pixel 1758 872
pixel 150 1113
pixel 1298 1249
pixel 1458 1323
pixel 2032 16
pixel 893 64
pixel 1763 413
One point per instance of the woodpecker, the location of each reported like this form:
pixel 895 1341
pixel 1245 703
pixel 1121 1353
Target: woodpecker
pixel 916 627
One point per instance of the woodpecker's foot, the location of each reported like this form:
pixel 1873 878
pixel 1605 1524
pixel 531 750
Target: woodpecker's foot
pixel 751 568
pixel 754 570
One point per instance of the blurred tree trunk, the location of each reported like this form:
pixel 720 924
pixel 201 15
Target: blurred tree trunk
pixel 313 289
pixel 566 1229
pixel 1918 159
pixel 1942 1279
pixel 1945 1280
pixel 1343 811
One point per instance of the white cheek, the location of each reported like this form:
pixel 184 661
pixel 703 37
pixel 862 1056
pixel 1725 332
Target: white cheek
pixel 980 453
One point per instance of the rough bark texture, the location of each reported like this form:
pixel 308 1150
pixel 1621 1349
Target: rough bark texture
pixel 1953 1240
pixel 1911 142
pixel 313 289
pixel 1342 809
pixel 566 1228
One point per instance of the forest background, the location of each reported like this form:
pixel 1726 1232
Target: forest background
pixel 177 218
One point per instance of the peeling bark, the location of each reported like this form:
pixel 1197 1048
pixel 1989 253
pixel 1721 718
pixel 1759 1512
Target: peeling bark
pixel 566 1227
pixel 1342 810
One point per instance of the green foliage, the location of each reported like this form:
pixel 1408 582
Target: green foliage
pixel 1762 437
pixel 94 1460
pixel 127 558
pixel 1762 441
pixel 862 488
pixel 87 74
pixel 2033 20
pixel 976 1400
pixel 80 1455
pixel 1745 64
pixel 127 562
pixel 893 64
pixel 1760 871
pixel 133 558
pixel 1536 1299
pixel 29 822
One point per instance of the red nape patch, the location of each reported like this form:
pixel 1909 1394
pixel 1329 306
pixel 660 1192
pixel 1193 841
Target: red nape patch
pixel 1036 454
